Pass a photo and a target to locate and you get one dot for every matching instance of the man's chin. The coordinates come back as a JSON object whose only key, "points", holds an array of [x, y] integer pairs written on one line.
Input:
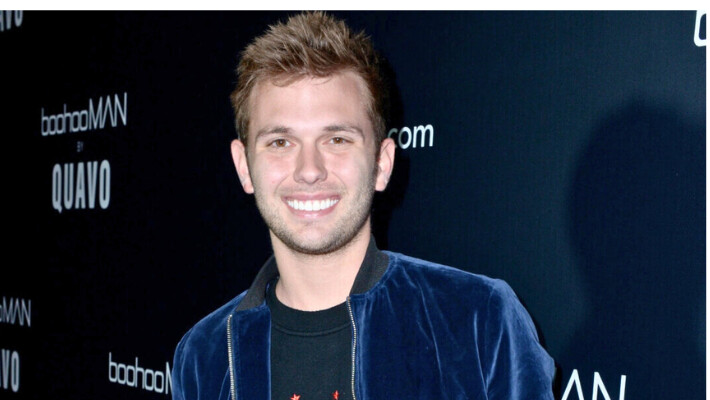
{"points": [[316, 246]]}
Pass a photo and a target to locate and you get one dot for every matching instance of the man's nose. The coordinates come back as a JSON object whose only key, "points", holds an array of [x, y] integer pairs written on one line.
{"points": [[310, 167]]}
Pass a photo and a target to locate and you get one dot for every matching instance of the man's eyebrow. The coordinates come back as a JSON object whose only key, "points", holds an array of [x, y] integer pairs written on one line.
{"points": [[344, 127], [270, 130]]}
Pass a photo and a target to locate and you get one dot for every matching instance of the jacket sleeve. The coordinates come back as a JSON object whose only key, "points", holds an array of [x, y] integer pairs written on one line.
{"points": [[178, 371], [515, 365]]}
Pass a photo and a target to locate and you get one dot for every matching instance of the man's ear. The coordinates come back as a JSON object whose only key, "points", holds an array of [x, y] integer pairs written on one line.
{"points": [[239, 156], [385, 163]]}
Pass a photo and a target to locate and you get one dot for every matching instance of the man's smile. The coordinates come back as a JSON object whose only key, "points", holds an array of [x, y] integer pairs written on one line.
{"points": [[313, 204]]}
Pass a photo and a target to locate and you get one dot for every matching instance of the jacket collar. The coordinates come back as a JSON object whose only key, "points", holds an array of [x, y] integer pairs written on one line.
{"points": [[373, 267]]}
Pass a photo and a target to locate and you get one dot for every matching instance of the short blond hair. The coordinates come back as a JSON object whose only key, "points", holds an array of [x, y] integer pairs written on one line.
{"points": [[310, 44]]}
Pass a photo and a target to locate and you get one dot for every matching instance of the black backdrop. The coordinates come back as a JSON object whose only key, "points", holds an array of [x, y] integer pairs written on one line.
{"points": [[563, 152]]}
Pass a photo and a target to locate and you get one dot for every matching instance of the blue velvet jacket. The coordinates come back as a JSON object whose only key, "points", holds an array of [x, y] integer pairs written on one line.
{"points": [[420, 331]]}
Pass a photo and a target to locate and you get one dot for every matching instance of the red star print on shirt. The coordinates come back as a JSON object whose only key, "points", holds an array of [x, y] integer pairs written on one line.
{"points": [[335, 395], [295, 397]]}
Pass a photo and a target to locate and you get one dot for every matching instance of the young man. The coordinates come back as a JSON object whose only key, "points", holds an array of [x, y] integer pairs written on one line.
{"points": [[330, 316]]}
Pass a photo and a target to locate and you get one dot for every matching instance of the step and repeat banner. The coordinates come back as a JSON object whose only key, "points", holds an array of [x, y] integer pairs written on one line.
{"points": [[563, 152]]}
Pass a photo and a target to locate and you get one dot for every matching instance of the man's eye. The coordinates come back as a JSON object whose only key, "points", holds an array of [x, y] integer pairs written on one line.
{"points": [[279, 143], [338, 140]]}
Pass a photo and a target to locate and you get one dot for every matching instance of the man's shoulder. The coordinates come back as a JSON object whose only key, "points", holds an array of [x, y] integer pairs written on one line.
{"points": [[209, 328], [432, 273], [460, 292], [203, 350]]}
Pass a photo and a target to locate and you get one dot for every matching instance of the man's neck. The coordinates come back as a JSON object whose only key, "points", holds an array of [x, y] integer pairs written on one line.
{"points": [[317, 282]]}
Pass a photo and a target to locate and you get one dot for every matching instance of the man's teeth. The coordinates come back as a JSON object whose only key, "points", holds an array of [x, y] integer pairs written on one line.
{"points": [[311, 205]]}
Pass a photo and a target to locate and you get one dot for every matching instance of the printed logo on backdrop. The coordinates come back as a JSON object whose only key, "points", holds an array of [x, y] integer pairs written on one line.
{"points": [[16, 311], [133, 375], [10, 19], [597, 387], [84, 184], [420, 136], [9, 370], [13, 311]]}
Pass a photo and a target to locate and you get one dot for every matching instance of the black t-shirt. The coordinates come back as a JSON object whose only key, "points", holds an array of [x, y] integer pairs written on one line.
{"points": [[310, 352]]}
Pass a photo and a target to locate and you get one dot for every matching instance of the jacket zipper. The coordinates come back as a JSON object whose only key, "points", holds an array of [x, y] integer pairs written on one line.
{"points": [[230, 352], [352, 356]]}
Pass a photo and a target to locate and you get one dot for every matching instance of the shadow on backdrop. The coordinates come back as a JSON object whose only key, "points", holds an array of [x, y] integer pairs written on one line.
{"points": [[385, 202], [637, 212]]}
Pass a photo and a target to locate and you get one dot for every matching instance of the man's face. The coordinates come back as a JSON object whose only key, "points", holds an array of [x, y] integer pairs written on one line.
{"points": [[311, 161]]}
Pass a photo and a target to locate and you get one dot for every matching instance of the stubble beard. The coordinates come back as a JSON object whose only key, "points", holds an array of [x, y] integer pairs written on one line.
{"points": [[341, 235]]}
